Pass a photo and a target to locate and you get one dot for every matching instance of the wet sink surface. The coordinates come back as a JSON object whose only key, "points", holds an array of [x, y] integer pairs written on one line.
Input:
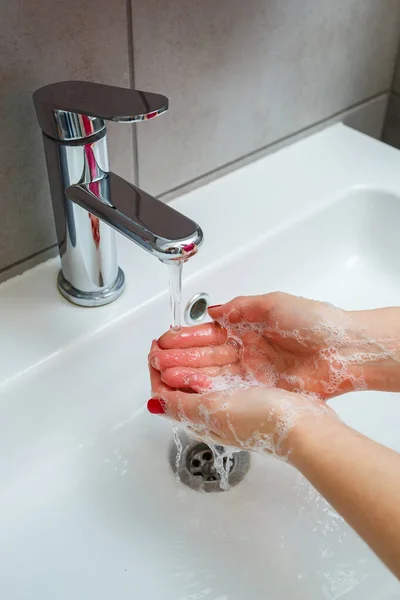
{"points": [[89, 507]]}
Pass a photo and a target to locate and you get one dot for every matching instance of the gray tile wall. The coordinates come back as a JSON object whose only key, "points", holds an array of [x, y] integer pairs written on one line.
{"points": [[241, 77], [391, 132], [396, 80]]}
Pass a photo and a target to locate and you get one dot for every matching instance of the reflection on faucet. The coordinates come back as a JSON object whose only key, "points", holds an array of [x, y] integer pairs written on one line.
{"points": [[154, 226], [95, 223], [94, 187]]}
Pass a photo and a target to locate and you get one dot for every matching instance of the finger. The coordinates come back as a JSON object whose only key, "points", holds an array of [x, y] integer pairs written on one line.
{"points": [[255, 344], [208, 334], [158, 387], [198, 380], [153, 348], [211, 356], [181, 406], [252, 309], [197, 433], [203, 434], [185, 377]]}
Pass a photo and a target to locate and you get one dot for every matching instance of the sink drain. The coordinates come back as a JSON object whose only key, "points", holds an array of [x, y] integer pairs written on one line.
{"points": [[196, 466]]}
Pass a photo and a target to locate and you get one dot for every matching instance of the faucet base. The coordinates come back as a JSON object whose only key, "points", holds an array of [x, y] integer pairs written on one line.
{"points": [[90, 299]]}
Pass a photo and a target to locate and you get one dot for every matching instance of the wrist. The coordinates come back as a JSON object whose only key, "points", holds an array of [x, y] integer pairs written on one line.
{"points": [[376, 349], [298, 420], [311, 434]]}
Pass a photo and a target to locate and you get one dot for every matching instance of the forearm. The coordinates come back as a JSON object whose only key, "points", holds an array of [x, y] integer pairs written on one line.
{"points": [[378, 336], [360, 479]]}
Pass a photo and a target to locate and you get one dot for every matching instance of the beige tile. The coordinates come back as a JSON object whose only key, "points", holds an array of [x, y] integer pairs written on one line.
{"points": [[42, 41], [241, 75]]}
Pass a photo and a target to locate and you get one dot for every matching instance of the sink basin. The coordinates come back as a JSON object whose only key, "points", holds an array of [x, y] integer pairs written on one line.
{"points": [[89, 506]]}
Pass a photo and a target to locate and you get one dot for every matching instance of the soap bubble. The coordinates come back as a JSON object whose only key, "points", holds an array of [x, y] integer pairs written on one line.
{"points": [[333, 346]]}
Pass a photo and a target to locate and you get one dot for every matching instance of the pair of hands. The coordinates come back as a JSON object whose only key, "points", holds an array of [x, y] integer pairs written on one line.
{"points": [[263, 364], [258, 378]]}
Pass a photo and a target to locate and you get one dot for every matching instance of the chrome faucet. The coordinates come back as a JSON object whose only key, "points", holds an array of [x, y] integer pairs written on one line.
{"points": [[88, 198]]}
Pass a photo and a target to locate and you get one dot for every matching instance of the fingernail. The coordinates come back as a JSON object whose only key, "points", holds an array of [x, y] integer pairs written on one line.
{"points": [[156, 406], [155, 363], [215, 306]]}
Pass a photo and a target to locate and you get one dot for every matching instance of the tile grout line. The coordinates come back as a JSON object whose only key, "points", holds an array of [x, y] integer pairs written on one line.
{"points": [[131, 63], [30, 257], [259, 151]]}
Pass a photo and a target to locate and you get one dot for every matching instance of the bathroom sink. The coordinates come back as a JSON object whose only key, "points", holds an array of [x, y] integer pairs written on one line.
{"points": [[89, 505]]}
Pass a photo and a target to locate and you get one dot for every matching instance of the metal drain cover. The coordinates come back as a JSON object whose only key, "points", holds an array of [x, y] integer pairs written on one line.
{"points": [[194, 464], [196, 309]]}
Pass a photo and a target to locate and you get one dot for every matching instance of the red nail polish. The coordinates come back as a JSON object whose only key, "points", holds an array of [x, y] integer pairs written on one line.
{"points": [[189, 247], [215, 306], [156, 407]]}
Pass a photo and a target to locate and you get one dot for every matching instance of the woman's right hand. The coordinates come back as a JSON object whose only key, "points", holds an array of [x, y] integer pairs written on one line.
{"points": [[283, 341]]}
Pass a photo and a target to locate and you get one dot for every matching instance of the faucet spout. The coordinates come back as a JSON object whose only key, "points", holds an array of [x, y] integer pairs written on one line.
{"points": [[153, 225]]}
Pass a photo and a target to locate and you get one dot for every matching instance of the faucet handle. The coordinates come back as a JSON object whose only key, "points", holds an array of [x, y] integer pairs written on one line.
{"points": [[74, 110]]}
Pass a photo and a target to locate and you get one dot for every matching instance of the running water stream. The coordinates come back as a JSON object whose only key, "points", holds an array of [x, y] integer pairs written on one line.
{"points": [[175, 293], [222, 457]]}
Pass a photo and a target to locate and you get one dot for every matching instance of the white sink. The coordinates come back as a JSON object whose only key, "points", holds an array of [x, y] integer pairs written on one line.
{"points": [[89, 507]]}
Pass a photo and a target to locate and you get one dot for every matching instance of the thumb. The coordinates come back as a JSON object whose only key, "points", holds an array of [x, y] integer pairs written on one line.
{"points": [[244, 308], [217, 311]]}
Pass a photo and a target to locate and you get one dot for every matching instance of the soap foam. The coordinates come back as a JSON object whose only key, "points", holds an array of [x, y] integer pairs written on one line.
{"points": [[334, 348], [282, 411], [339, 351]]}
